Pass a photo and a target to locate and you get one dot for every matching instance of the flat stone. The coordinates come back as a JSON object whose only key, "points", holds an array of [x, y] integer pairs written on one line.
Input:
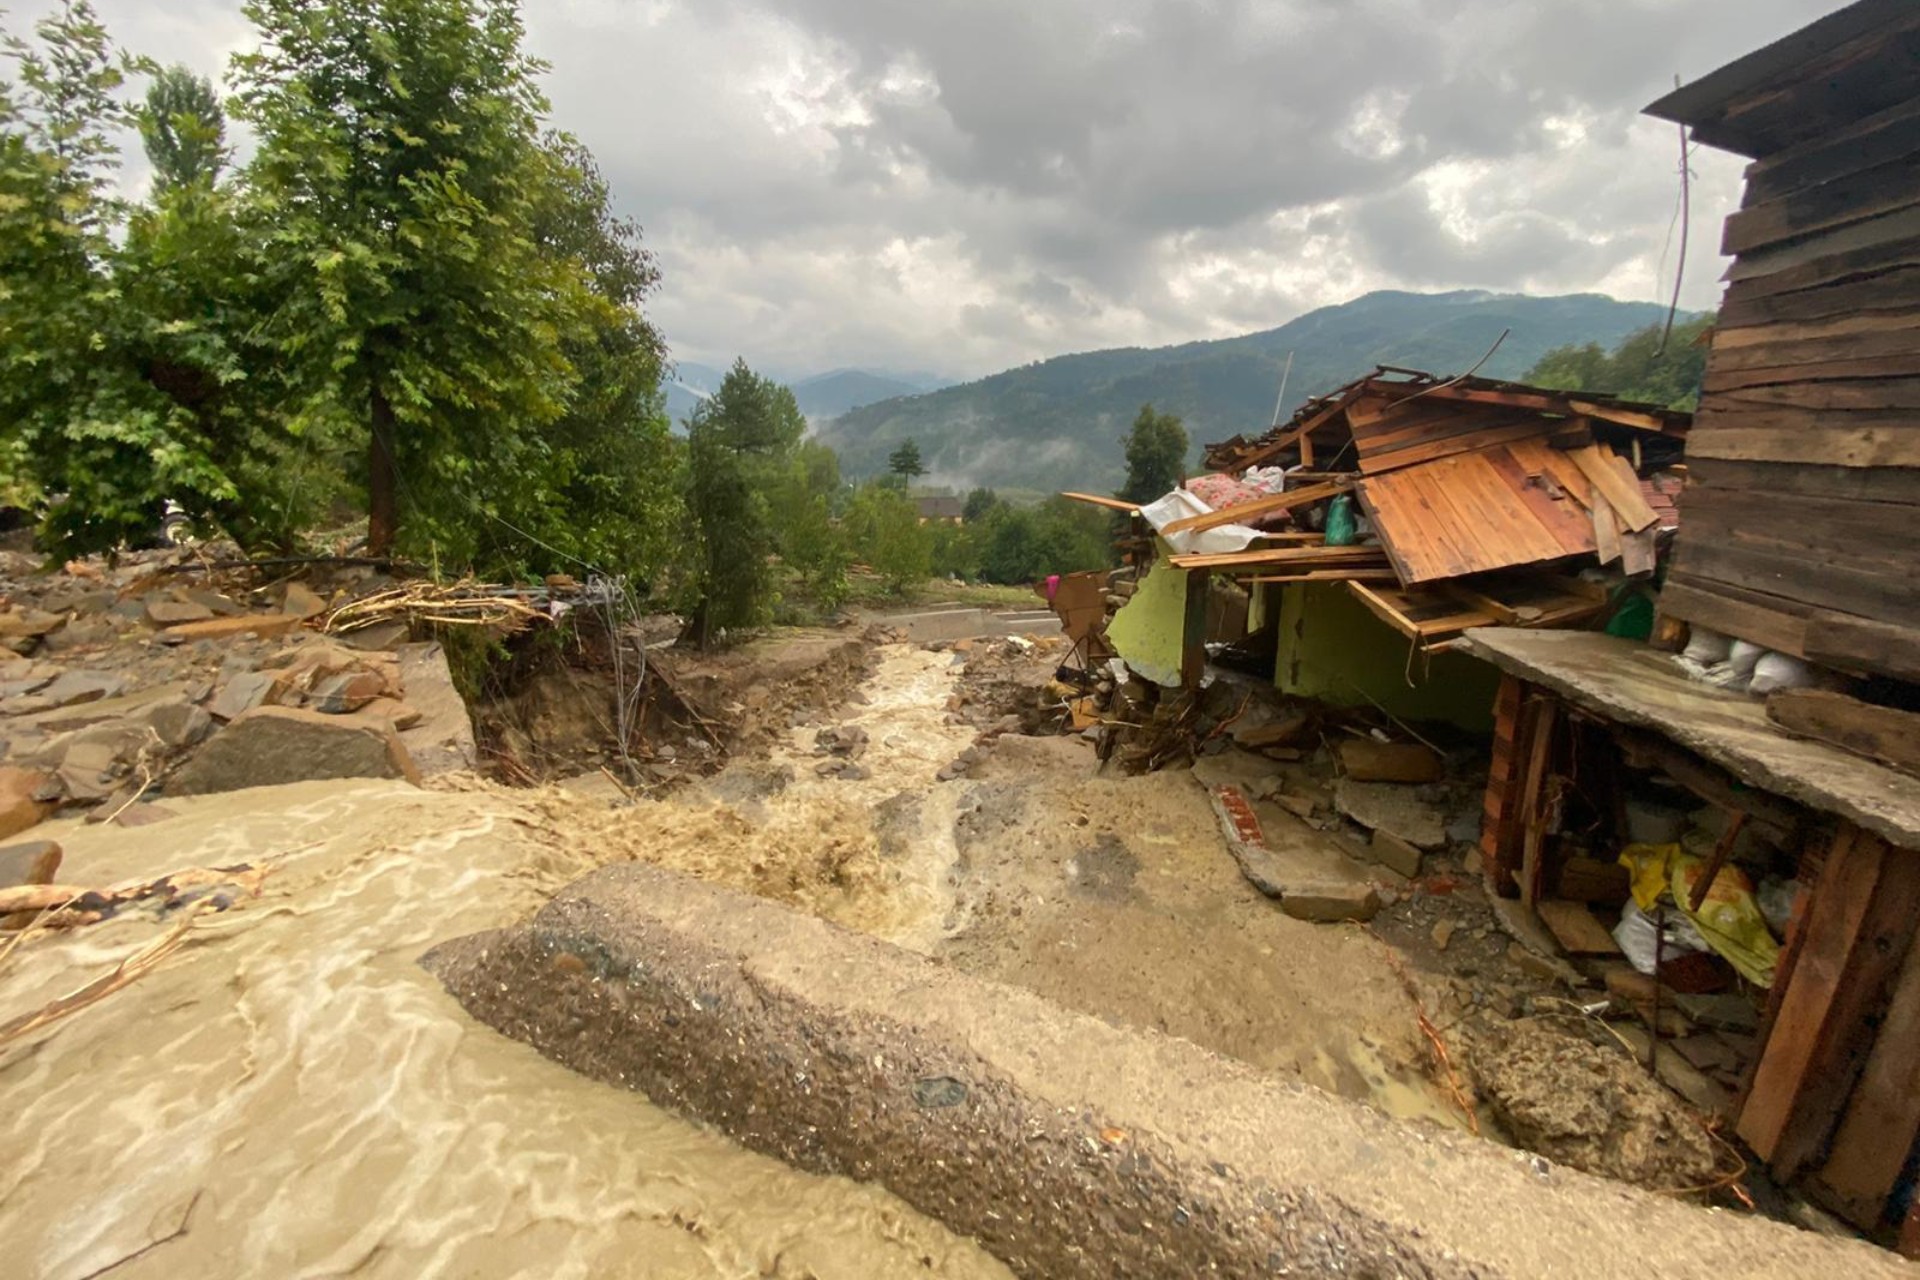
{"points": [[442, 741], [74, 688], [302, 601], [163, 612], [20, 806], [264, 625], [32, 863], [401, 715], [21, 687], [341, 694], [1328, 901], [1443, 934], [268, 746], [1390, 851], [91, 769], [179, 724], [29, 624], [243, 693], [1395, 808], [1726, 1012]]}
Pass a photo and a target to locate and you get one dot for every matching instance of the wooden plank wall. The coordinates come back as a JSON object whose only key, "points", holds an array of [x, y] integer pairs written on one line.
{"points": [[1801, 527]]}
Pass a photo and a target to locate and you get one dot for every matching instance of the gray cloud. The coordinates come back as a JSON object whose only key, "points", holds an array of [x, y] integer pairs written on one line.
{"points": [[968, 184]]}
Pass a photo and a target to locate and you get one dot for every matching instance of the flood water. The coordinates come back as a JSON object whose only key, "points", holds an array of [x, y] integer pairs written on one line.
{"points": [[290, 1095]]}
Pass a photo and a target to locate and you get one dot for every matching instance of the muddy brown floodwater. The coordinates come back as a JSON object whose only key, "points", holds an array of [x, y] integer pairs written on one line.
{"points": [[294, 1092], [291, 1095]]}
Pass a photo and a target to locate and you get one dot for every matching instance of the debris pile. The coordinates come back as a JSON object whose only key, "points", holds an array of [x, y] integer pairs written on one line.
{"points": [[168, 673]]}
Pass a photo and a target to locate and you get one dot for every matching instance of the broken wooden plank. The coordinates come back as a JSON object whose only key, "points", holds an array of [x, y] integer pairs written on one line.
{"points": [[1883, 1116], [1302, 557], [1606, 529], [1610, 476], [1885, 734], [1096, 500], [1575, 928], [1855, 940]]}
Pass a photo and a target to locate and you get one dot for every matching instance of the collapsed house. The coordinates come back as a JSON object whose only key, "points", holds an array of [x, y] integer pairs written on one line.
{"points": [[1692, 642]]}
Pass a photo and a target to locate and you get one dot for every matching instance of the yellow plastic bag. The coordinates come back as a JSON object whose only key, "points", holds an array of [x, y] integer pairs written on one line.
{"points": [[1729, 919]]}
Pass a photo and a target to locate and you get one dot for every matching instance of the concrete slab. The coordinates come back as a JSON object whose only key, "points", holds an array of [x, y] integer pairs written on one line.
{"points": [[1067, 1146], [1631, 684]]}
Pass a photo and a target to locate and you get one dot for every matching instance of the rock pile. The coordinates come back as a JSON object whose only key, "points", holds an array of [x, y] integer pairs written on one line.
{"points": [[119, 686]]}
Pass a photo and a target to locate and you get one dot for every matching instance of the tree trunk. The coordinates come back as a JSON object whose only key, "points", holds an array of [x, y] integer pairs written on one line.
{"points": [[383, 502]]}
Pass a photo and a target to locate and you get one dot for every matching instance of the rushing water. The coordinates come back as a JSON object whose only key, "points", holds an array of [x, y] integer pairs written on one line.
{"points": [[290, 1095]]}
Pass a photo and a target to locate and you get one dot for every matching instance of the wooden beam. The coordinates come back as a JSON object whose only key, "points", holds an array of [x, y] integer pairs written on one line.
{"points": [[1883, 1116], [1309, 556], [1533, 817], [1705, 607], [1111, 504], [1710, 782], [1257, 508], [1844, 640], [1498, 824], [1883, 734], [1268, 452], [1857, 936], [1611, 477]]}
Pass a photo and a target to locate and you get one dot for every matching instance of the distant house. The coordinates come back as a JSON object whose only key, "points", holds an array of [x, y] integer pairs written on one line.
{"points": [[947, 509]]}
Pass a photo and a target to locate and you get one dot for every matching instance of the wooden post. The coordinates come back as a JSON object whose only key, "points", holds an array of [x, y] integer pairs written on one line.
{"points": [[1193, 632], [1855, 940], [1883, 1116], [1498, 824]]}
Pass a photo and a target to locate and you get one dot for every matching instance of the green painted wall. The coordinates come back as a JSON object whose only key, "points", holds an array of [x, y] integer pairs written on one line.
{"points": [[1334, 649], [1147, 630]]}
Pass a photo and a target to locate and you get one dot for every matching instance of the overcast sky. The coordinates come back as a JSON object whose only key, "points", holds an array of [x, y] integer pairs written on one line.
{"points": [[962, 185]]}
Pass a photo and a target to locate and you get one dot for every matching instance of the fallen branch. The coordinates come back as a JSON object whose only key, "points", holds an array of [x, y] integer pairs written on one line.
{"points": [[461, 604], [124, 974], [50, 897]]}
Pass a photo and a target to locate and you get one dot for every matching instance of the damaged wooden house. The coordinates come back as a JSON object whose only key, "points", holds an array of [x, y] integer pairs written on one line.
{"points": [[1693, 644]]}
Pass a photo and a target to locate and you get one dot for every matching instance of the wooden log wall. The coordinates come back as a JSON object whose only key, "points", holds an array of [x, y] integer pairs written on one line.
{"points": [[1801, 529]]}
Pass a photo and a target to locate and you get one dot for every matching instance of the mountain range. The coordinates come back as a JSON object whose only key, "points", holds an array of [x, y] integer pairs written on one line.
{"points": [[821, 396], [1059, 423]]}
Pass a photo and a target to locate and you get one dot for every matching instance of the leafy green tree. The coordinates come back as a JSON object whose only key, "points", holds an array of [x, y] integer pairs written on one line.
{"points": [[1156, 455], [1638, 369], [883, 527], [398, 169], [905, 462], [739, 443], [607, 488], [83, 420], [979, 503], [810, 542], [184, 130]]}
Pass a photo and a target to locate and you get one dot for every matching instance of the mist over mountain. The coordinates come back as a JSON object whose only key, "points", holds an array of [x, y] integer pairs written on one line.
{"points": [[1058, 423]]}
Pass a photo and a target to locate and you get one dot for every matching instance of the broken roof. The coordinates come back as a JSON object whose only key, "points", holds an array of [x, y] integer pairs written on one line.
{"points": [[1851, 64]]}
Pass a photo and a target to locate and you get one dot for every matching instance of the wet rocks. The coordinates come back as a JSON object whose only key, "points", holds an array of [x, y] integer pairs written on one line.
{"points": [[31, 863], [271, 745], [22, 799], [245, 691]]}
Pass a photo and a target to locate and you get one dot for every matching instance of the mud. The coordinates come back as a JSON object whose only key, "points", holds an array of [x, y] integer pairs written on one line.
{"points": [[1587, 1105], [295, 1097], [1069, 1148]]}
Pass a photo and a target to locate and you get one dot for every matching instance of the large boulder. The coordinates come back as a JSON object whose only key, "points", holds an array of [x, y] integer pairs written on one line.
{"points": [[272, 745]]}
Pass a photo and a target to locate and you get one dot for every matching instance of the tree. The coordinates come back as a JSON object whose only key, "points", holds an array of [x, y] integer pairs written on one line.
{"points": [[905, 462], [1156, 455], [399, 170], [184, 130], [979, 503], [609, 490], [1640, 368], [883, 526], [739, 442], [83, 421]]}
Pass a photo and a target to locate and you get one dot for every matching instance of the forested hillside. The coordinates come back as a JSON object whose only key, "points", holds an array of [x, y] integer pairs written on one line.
{"points": [[1058, 423]]}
